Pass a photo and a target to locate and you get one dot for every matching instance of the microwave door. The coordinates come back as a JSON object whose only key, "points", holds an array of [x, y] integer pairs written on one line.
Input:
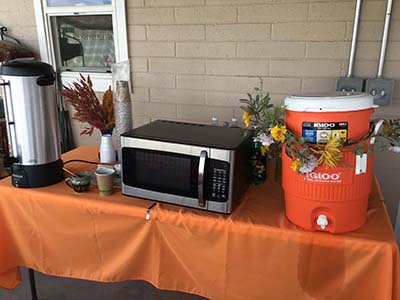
{"points": [[178, 175]]}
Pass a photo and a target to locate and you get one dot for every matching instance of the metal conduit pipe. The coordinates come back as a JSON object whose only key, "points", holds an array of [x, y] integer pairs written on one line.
{"points": [[354, 38], [384, 38]]}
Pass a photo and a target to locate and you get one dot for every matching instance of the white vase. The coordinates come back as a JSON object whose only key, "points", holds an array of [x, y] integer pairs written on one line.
{"points": [[107, 150]]}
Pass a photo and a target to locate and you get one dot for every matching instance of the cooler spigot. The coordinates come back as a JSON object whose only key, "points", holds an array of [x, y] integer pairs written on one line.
{"points": [[322, 221]]}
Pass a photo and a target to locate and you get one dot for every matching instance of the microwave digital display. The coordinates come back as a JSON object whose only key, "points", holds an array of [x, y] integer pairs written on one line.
{"points": [[161, 171]]}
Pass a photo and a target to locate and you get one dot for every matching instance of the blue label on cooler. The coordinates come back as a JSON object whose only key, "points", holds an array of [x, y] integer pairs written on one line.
{"points": [[309, 135]]}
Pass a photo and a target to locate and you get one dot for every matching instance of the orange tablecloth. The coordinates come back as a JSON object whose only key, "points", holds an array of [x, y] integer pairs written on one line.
{"points": [[254, 253]]}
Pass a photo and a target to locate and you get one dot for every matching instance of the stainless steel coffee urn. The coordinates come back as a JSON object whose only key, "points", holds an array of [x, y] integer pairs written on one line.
{"points": [[32, 123]]}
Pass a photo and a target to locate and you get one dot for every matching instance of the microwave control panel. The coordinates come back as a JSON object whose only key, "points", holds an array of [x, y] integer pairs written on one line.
{"points": [[219, 185]]}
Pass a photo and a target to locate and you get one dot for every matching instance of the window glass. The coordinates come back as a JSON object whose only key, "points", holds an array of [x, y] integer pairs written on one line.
{"points": [[76, 2], [83, 43]]}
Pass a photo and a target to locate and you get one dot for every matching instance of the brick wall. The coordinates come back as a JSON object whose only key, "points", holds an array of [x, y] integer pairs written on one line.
{"points": [[194, 59]]}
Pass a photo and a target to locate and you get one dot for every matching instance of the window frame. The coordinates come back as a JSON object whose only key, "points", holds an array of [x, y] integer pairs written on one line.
{"points": [[117, 10]]}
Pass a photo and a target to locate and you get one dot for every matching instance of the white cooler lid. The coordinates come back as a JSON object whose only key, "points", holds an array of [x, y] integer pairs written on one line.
{"points": [[340, 101]]}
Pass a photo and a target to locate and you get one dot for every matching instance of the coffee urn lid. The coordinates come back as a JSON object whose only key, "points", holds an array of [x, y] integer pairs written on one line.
{"points": [[26, 68]]}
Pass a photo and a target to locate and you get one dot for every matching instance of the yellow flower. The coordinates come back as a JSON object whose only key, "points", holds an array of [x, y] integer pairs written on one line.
{"points": [[278, 133], [296, 165], [264, 150], [247, 118], [260, 168], [329, 155]]}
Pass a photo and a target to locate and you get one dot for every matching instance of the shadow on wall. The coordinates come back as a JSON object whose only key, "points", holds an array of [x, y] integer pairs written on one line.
{"points": [[387, 169]]}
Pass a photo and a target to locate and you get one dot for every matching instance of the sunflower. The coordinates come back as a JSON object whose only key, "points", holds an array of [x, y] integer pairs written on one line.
{"points": [[278, 133], [247, 118]]}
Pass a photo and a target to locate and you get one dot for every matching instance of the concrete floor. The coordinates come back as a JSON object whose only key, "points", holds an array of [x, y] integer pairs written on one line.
{"points": [[58, 288]]}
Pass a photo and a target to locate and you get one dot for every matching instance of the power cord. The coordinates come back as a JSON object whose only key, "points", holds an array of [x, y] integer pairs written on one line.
{"points": [[80, 160]]}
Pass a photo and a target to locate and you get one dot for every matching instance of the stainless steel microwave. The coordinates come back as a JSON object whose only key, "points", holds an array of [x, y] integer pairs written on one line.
{"points": [[194, 165]]}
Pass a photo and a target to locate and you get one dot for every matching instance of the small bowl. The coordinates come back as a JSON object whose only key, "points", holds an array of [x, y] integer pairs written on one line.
{"points": [[79, 183]]}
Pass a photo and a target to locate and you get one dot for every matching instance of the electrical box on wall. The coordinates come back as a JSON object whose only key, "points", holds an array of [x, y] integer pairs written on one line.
{"points": [[350, 84], [381, 89]]}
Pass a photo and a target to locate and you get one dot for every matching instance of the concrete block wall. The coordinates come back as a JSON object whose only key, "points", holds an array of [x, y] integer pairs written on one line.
{"points": [[194, 59]]}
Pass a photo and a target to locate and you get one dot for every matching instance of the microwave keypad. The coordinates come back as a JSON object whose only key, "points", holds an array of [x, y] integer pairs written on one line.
{"points": [[219, 186]]}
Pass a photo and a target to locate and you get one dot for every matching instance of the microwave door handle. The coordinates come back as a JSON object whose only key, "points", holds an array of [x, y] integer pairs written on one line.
{"points": [[200, 178]]}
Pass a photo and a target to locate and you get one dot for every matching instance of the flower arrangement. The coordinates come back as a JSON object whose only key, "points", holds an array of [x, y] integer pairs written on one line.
{"points": [[87, 106], [271, 134]]}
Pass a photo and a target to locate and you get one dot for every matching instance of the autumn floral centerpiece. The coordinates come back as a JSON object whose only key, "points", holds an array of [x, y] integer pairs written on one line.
{"points": [[88, 108], [271, 134]]}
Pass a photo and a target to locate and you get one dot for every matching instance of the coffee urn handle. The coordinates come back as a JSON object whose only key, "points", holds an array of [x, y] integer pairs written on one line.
{"points": [[200, 178], [9, 114]]}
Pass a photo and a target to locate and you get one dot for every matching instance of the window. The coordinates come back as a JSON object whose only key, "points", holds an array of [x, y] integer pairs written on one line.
{"points": [[82, 36]]}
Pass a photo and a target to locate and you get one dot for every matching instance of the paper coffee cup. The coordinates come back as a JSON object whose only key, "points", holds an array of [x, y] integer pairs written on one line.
{"points": [[105, 180]]}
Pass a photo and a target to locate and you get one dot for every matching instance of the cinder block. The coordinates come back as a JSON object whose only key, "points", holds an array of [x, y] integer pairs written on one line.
{"points": [[393, 51], [150, 16], [140, 95], [371, 50], [271, 49], [154, 110], [306, 68], [331, 50], [362, 68], [273, 13], [201, 49], [239, 32], [151, 49], [391, 70], [237, 67], [134, 3], [225, 99], [178, 96], [204, 113], [221, 2], [140, 121], [205, 15], [372, 31], [176, 33], [177, 65], [313, 31], [332, 11], [139, 64], [160, 3], [318, 85], [136, 33], [238, 84], [391, 111], [375, 10], [161, 80]]}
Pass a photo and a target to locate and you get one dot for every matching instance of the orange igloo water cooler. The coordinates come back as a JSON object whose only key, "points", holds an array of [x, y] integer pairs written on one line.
{"points": [[329, 199]]}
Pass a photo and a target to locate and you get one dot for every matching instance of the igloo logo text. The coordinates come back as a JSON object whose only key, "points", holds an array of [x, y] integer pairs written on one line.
{"points": [[324, 125], [334, 177]]}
